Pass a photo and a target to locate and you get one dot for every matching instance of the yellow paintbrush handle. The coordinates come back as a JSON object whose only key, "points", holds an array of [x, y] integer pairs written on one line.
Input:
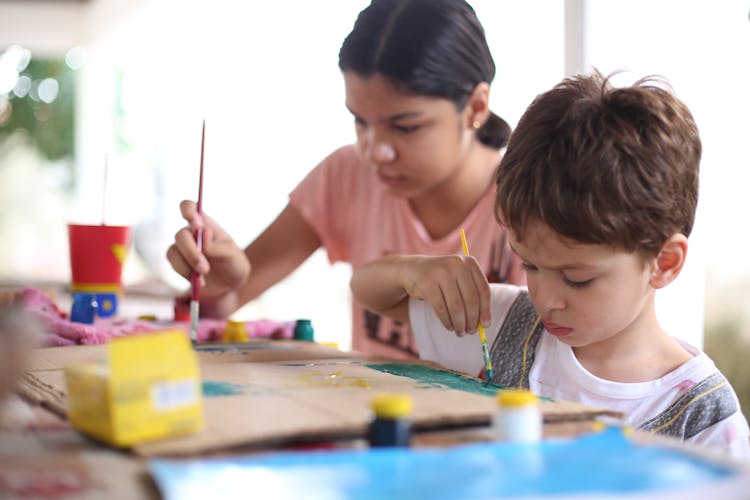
{"points": [[480, 328], [482, 334]]}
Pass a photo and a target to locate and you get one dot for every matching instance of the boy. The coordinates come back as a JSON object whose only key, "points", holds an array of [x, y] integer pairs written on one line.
{"points": [[598, 189]]}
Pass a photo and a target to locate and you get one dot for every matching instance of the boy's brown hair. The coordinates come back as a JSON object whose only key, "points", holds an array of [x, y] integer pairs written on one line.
{"points": [[603, 165]]}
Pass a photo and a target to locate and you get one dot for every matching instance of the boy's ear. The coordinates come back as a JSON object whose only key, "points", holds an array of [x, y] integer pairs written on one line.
{"points": [[668, 263], [477, 109]]}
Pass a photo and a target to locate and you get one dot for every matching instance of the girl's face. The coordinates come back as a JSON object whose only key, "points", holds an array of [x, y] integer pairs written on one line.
{"points": [[585, 293], [412, 143]]}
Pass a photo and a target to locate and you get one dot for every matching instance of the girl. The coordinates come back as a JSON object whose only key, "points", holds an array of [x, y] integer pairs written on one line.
{"points": [[417, 75]]}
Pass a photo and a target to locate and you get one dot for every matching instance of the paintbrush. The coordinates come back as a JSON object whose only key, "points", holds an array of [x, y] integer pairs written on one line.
{"points": [[195, 279], [480, 328]]}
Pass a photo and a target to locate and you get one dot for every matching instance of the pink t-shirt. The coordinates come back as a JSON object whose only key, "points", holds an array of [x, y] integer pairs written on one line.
{"points": [[358, 220]]}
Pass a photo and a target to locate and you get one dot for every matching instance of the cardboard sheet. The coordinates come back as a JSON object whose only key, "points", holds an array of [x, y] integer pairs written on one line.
{"points": [[287, 392]]}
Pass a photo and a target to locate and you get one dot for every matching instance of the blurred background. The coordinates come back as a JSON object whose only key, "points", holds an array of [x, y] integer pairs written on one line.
{"points": [[127, 83]]}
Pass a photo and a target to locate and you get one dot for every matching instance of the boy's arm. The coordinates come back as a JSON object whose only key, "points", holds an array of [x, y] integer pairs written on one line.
{"points": [[454, 285], [377, 286]]}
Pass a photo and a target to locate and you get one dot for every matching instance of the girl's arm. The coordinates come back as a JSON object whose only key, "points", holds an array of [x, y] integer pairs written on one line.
{"points": [[454, 285]]}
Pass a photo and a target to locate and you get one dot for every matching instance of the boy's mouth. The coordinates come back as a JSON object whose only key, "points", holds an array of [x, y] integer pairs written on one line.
{"points": [[556, 330]]}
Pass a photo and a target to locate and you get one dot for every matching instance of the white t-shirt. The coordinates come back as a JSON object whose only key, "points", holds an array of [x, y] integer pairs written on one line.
{"points": [[556, 373]]}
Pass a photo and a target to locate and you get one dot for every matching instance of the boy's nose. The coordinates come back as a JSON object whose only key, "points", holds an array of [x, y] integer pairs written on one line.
{"points": [[546, 299]]}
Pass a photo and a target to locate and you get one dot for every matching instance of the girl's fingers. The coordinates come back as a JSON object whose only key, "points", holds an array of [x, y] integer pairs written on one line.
{"points": [[177, 262], [184, 242], [188, 209], [189, 212]]}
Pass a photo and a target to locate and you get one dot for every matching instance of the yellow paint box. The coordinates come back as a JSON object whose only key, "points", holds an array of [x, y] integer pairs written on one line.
{"points": [[149, 388]]}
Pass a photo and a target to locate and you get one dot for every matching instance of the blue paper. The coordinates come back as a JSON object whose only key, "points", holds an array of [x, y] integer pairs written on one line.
{"points": [[605, 463]]}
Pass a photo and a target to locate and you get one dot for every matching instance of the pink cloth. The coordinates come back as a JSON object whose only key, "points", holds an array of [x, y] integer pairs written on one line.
{"points": [[358, 220], [61, 331]]}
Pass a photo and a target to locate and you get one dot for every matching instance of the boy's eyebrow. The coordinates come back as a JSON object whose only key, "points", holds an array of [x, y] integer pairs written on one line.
{"points": [[569, 267]]}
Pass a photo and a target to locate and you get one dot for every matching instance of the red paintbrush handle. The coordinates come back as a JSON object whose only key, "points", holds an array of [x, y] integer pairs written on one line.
{"points": [[195, 278]]}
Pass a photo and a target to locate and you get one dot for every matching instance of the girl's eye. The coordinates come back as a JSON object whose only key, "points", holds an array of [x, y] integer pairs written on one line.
{"points": [[406, 128], [577, 284], [528, 267]]}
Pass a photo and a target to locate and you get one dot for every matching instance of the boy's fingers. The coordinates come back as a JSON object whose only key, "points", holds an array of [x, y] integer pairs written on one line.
{"points": [[479, 296], [485, 299], [434, 297], [469, 301], [456, 308]]}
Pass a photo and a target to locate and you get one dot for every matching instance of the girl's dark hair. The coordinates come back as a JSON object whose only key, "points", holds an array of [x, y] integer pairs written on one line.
{"points": [[433, 48]]}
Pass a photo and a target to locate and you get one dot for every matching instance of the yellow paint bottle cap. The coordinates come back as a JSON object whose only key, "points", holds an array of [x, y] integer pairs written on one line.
{"points": [[515, 398], [392, 405], [235, 331]]}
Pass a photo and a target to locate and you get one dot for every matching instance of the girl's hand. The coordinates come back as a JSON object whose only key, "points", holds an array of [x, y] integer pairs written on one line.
{"points": [[223, 265], [454, 285]]}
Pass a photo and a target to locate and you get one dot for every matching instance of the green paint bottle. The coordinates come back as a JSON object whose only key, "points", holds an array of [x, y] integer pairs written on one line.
{"points": [[303, 330]]}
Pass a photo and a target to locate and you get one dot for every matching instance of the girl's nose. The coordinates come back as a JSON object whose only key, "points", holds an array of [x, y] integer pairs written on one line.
{"points": [[383, 153], [375, 150]]}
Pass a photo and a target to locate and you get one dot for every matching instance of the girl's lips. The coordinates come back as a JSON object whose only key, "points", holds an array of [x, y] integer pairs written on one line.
{"points": [[390, 180], [556, 330]]}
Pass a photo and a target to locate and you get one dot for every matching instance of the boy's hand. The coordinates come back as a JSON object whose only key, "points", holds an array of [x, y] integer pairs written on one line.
{"points": [[454, 285], [223, 265]]}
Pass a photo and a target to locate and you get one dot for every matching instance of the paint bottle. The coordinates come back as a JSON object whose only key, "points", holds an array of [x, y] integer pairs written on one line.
{"points": [[303, 330], [84, 308], [182, 308], [107, 304], [234, 331], [391, 425], [518, 417]]}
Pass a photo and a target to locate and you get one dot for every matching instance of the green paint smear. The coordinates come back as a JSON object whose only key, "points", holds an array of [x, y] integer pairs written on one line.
{"points": [[429, 377], [213, 389]]}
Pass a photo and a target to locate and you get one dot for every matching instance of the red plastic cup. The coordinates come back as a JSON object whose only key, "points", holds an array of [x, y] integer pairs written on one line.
{"points": [[97, 254]]}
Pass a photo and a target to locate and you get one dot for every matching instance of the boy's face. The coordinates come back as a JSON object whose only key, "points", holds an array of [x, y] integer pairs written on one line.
{"points": [[584, 293]]}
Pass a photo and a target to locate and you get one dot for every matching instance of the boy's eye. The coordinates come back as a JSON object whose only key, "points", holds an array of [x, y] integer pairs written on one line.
{"points": [[577, 284], [528, 267]]}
